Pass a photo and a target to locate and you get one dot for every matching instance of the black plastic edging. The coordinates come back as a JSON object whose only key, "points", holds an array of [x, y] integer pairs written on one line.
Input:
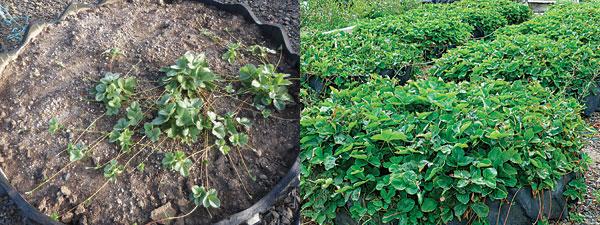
{"points": [[27, 211], [267, 201], [275, 32]]}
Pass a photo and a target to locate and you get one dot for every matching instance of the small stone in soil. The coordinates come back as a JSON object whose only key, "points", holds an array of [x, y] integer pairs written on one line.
{"points": [[163, 212]]}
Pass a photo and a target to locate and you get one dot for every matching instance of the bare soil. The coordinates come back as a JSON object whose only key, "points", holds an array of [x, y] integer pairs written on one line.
{"points": [[24, 12], [52, 79]]}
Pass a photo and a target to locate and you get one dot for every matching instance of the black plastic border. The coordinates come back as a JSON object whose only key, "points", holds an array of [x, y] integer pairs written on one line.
{"points": [[275, 32]]}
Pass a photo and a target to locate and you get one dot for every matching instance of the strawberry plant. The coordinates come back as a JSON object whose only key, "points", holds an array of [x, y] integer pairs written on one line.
{"points": [[177, 161], [267, 86], [232, 52], [563, 21], [184, 113], [54, 126], [112, 170], [431, 152], [400, 44], [190, 73], [179, 118], [205, 197], [113, 90], [76, 151], [235, 50], [566, 65]]}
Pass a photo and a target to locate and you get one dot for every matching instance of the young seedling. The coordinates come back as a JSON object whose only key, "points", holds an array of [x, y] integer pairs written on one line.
{"points": [[112, 170], [226, 128], [260, 51], [178, 162], [213, 37], [54, 126], [113, 90], [190, 73], [141, 167], [232, 52], [76, 151], [267, 86], [208, 198]]}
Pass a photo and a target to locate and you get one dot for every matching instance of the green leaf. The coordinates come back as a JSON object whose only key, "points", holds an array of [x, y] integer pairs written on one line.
{"points": [[54, 126], [480, 209], [389, 135], [429, 205], [497, 134]]}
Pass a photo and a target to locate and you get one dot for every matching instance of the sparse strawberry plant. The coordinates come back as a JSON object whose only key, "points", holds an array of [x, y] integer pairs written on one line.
{"points": [[76, 151], [267, 86], [232, 52], [113, 90], [178, 118], [205, 197], [184, 112], [54, 126], [190, 73], [235, 50], [112, 170], [177, 161]]}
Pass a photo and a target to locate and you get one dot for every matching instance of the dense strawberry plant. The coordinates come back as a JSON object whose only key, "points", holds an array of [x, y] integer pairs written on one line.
{"points": [[431, 152], [513, 12], [566, 65], [340, 57], [565, 20], [399, 45]]}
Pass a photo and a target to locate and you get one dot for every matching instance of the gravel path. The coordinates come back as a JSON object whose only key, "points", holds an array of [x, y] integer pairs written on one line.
{"points": [[590, 207]]}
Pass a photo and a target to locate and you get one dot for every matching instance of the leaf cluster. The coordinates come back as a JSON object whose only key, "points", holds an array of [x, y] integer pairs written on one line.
{"points": [[205, 197], [431, 151], [395, 43], [267, 86], [113, 90], [190, 73], [566, 65], [178, 162]]}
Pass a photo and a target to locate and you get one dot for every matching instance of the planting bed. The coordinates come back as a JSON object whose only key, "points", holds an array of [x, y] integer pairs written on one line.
{"points": [[488, 129], [68, 62]]}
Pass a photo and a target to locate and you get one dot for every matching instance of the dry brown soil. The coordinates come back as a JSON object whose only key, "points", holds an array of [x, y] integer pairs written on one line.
{"points": [[52, 78]]}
